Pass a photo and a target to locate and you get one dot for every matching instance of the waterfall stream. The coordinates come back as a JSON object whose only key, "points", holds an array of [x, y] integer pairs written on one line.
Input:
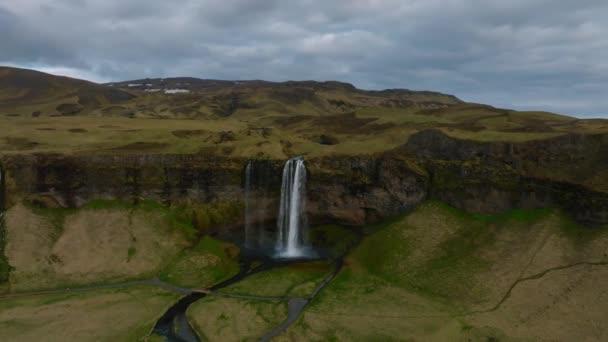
{"points": [[291, 228], [291, 222]]}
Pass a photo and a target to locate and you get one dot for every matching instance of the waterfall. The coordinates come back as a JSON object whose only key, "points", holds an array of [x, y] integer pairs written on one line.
{"points": [[291, 221], [262, 179], [248, 209]]}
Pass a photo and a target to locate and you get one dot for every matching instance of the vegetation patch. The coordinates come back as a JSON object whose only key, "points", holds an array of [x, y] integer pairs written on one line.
{"points": [[332, 240], [104, 241], [297, 280], [207, 263], [207, 216], [5, 267], [441, 274], [231, 319]]}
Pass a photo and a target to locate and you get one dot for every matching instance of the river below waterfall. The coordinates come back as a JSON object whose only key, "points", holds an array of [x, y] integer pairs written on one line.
{"points": [[174, 325]]}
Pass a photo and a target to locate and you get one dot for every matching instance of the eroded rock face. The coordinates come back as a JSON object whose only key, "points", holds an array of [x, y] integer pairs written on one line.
{"points": [[360, 190], [344, 190], [483, 177], [75, 180], [567, 172]]}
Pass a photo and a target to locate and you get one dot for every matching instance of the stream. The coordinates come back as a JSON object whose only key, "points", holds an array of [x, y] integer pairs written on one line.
{"points": [[174, 326]]}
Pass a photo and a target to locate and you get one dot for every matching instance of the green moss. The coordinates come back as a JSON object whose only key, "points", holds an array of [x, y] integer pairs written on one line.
{"points": [[131, 252], [108, 204], [516, 215], [334, 240], [378, 249], [206, 216]]}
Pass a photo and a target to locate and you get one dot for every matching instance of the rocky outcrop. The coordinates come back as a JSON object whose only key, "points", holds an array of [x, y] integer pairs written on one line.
{"points": [[359, 190]]}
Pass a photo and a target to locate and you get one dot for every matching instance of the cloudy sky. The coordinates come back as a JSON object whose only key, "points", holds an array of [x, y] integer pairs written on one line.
{"points": [[525, 54]]}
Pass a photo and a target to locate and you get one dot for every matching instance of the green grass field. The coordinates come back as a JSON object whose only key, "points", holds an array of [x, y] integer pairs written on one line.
{"points": [[441, 274], [207, 263], [103, 315], [231, 319], [298, 280]]}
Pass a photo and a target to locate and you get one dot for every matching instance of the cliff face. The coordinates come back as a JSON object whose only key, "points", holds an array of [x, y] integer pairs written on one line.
{"points": [[360, 190], [348, 190], [568, 172], [476, 176]]}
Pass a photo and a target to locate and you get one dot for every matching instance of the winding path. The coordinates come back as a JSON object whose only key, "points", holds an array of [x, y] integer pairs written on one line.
{"points": [[534, 277], [295, 306], [497, 306]]}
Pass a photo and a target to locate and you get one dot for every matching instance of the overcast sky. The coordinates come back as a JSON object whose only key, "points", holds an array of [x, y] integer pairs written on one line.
{"points": [[524, 54]]}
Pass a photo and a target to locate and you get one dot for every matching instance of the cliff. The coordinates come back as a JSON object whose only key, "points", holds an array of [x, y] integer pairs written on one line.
{"points": [[566, 172], [348, 190]]}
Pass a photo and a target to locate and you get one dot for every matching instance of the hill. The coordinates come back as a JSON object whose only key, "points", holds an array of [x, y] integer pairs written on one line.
{"points": [[32, 93], [245, 118]]}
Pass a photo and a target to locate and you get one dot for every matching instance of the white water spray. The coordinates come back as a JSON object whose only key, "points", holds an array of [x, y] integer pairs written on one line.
{"points": [[292, 219]]}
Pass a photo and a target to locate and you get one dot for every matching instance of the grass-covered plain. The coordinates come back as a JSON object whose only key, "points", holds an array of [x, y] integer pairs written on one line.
{"points": [[440, 274], [231, 319], [297, 280], [127, 314]]}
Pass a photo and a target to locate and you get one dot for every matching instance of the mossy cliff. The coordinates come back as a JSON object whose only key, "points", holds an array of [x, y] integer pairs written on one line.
{"points": [[567, 172]]}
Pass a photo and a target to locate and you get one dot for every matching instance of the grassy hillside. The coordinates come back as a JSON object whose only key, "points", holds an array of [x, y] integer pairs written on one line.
{"points": [[440, 274], [109, 242], [33, 94], [45, 113]]}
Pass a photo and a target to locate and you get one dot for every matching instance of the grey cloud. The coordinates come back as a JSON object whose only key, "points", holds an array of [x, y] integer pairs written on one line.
{"points": [[535, 54]]}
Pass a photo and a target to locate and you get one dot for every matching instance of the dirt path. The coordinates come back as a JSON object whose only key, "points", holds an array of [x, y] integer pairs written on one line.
{"points": [[147, 282]]}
